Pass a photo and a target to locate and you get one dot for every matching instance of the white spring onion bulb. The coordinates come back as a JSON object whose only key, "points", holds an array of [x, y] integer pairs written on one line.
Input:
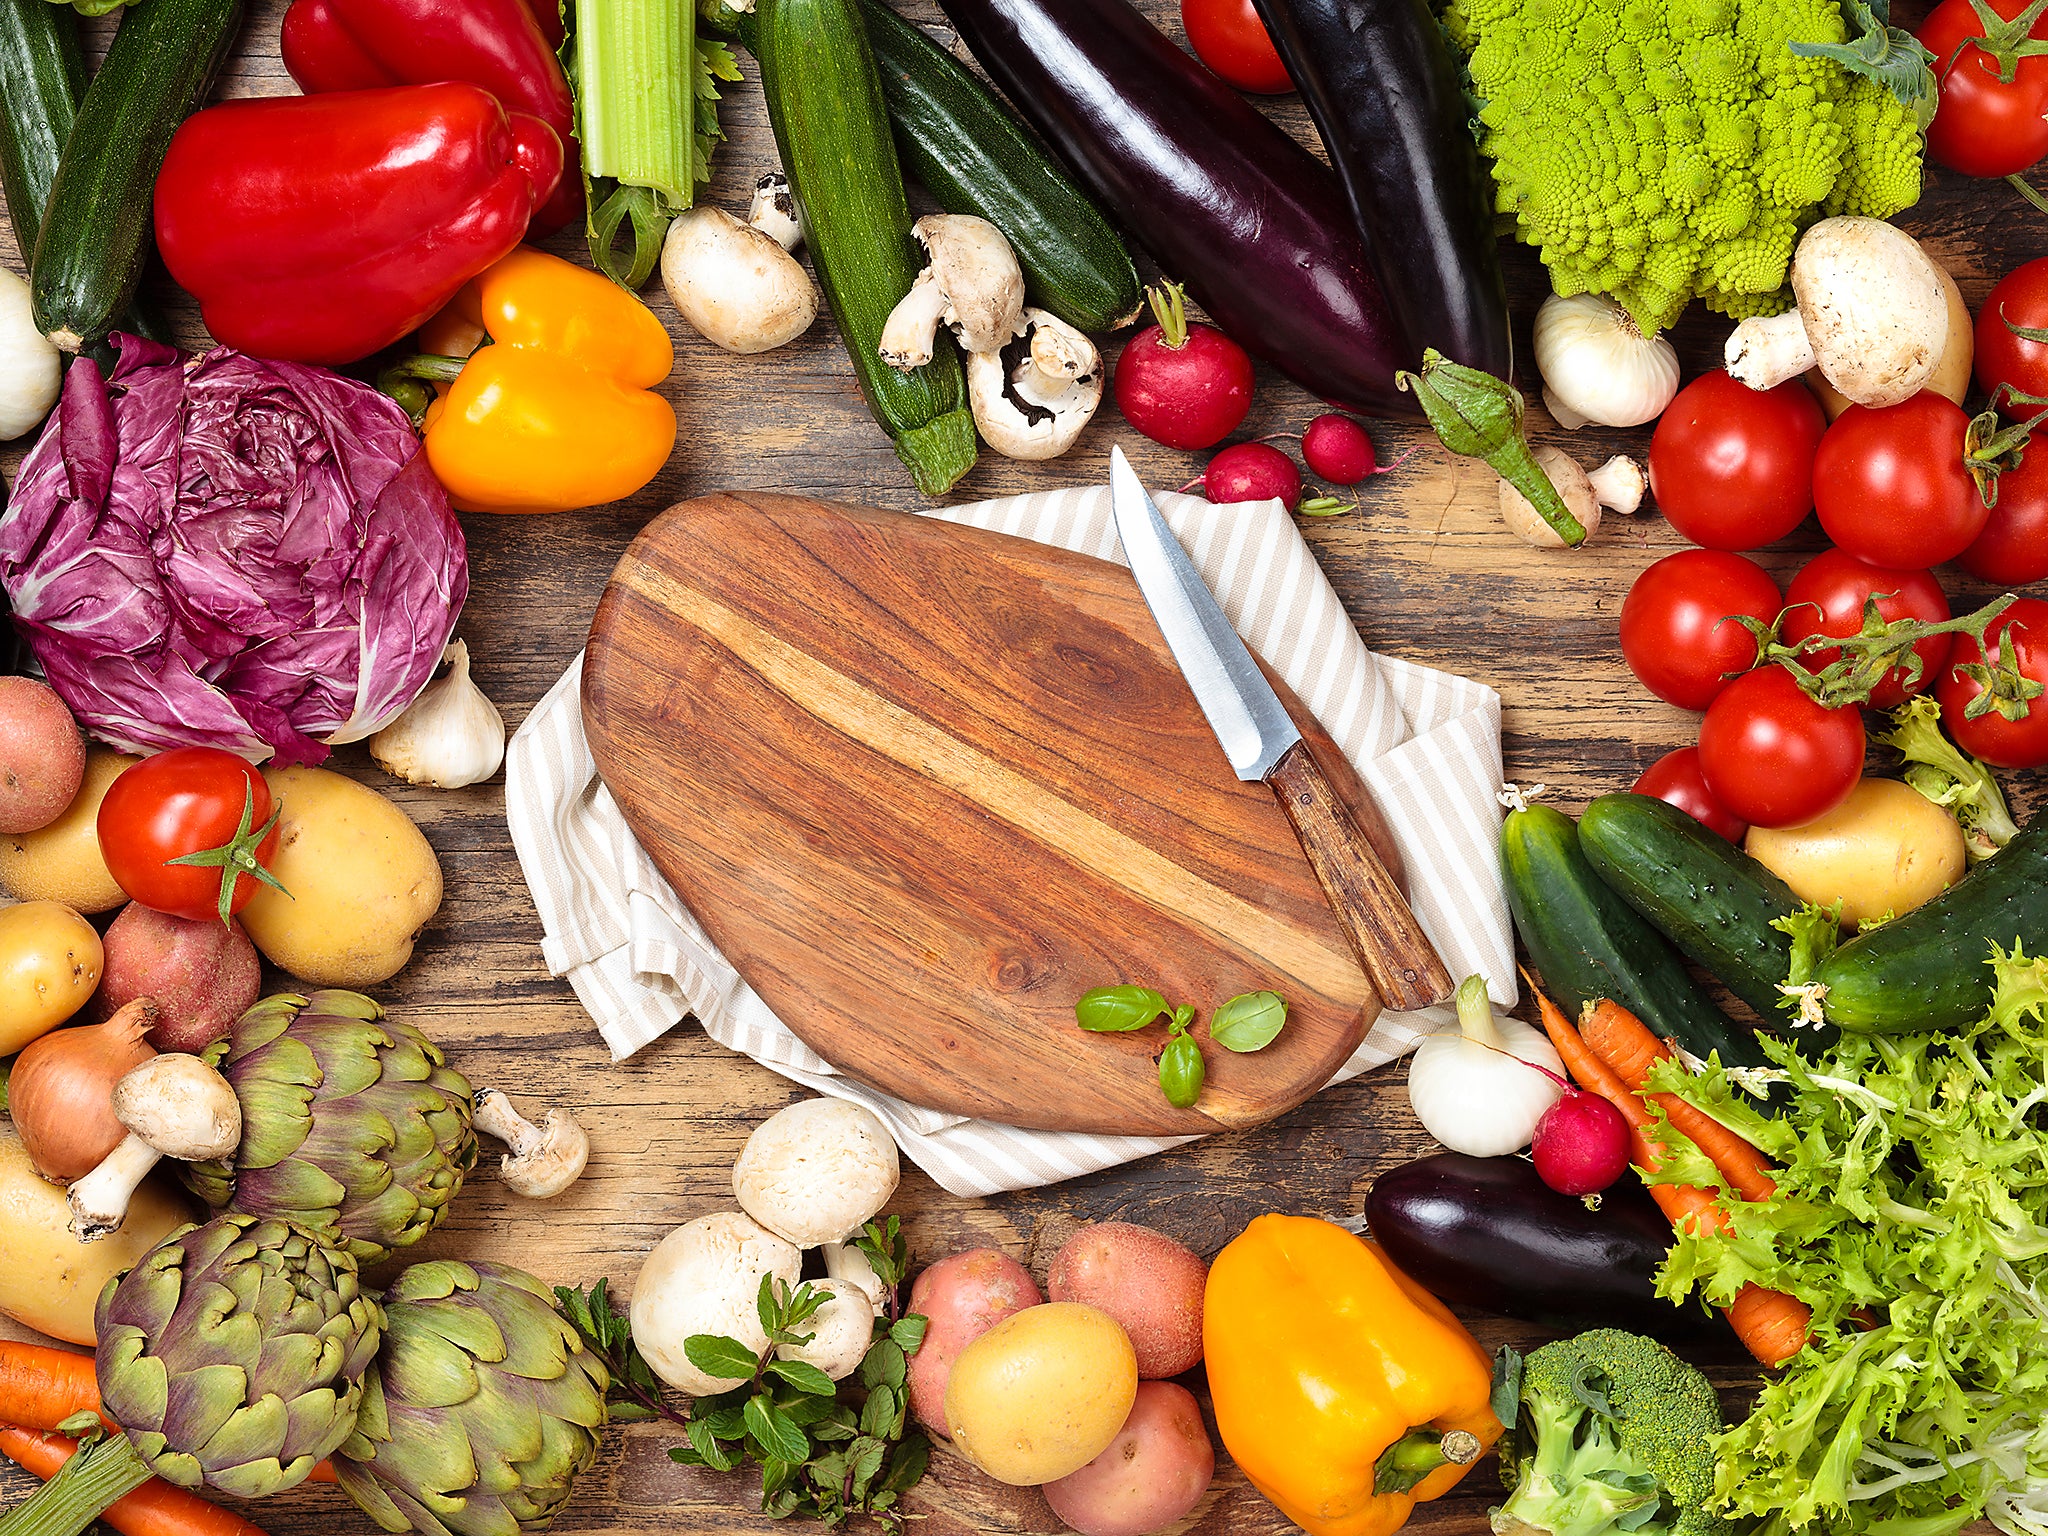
{"points": [[1473, 1088], [1597, 367]]}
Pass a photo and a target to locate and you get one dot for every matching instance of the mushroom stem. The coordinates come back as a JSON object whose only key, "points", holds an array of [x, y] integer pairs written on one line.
{"points": [[543, 1159], [843, 1261], [99, 1201], [773, 210], [913, 325], [173, 1105], [1767, 350]]}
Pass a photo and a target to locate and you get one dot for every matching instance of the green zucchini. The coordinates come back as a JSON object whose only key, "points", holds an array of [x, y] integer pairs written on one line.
{"points": [[1930, 970], [1588, 943], [1708, 897], [42, 76], [825, 104], [96, 225]]}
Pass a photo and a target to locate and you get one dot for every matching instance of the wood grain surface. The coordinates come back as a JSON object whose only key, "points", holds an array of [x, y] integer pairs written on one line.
{"points": [[924, 785], [1425, 567]]}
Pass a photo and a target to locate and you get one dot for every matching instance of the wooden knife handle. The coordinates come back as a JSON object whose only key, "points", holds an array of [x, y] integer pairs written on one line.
{"points": [[1401, 963]]}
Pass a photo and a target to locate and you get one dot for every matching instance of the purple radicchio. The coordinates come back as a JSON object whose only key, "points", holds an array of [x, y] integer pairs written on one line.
{"points": [[230, 552]]}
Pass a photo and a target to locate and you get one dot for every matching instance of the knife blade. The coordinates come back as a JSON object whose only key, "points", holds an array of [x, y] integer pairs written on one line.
{"points": [[1263, 744]]}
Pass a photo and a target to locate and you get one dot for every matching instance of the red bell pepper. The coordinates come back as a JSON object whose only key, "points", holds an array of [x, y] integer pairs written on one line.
{"points": [[501, 45], [318, 229]]}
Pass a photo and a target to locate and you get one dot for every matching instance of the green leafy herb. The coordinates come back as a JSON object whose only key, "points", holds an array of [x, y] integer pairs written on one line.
{"points": [[1951, 778], [1115, 1010], [636, 1391], [1181, 1069], [1248, 1022]]}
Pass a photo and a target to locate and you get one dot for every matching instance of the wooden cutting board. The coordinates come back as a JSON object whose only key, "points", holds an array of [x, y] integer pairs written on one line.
{"points": [[924, 785]]}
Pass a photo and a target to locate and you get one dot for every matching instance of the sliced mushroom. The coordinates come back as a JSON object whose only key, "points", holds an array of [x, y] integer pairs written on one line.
{"points": [[542, 1160], [971, 281], [735, 283], [1032, 398], [1872, 314], [173, 1105], [773, 210], [815, 1172]]}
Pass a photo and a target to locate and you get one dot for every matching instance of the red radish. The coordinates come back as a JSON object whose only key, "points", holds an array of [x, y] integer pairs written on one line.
{"points": [[1252, 472], [1338, 449], [1581, 1143], [1187, 386]]}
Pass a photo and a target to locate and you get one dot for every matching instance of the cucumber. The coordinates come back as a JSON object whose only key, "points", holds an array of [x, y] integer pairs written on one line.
{"points": [[1930, 970], [42, 76], [825, 104], [1588, 943], [96, 226], [1708, 897]]}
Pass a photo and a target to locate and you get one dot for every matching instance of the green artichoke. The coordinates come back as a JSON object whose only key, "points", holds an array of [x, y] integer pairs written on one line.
{"points": [[481, 1409], [234, 1353], [352, 1125]]}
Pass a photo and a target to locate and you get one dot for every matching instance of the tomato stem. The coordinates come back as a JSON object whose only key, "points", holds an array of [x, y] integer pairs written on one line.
{"points": [[238, 855], [1878, 649]]}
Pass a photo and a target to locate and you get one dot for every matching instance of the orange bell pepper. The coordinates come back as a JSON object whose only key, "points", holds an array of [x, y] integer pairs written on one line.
{"points": [[556, 410], [1345, 1391]]}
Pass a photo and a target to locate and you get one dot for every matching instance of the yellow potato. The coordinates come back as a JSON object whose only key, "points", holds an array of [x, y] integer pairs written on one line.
{"points": [[49, 1280], [1884, 850], [1951, 377], [363, 882], [50, 961], [62, 861], [1043, 1393]]}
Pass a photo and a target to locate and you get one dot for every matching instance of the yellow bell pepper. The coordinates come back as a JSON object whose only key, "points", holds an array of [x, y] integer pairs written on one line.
{"points": [[556, 410], [1345, 1391]]}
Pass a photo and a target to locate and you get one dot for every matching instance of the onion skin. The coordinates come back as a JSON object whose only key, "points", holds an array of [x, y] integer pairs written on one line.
{"points": [[60, 1093]]}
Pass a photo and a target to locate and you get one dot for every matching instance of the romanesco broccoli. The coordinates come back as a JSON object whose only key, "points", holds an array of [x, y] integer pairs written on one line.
{"points": [[1656, 149]]}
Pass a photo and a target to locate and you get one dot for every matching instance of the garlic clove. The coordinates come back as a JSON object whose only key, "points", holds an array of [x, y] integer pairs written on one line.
{"points": [[451, 736], [1597, 367]]}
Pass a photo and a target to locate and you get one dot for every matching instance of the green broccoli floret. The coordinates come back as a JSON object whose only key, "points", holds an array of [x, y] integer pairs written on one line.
{"points": [[1652, 150], [1614, 1434]]}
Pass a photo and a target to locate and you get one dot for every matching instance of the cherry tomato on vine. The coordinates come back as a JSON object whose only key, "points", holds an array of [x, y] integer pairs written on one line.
{"points": [[1890, 486], [2002, 356], [1732, 467], [1675, 778], [1827, 596], [1228, 36], [1677, 635], [2013, 548], [2020, 637], [1775, 758], [1985, 126], [189, 832]]}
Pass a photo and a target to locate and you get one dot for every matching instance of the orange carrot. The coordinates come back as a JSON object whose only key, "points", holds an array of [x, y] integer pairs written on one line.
{"points": [[1595, 1076], [1625, 1043], [41, 1387], [154, 1509]]}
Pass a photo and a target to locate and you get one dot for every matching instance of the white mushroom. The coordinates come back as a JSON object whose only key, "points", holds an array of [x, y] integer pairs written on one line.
{"points": [[542, 1160], [773, 210], [843, 1261], [173, 1105], [815, 1172], [1032, 398], [1872, 314], [971, 281], [1617, 485], [705, 1277], [736, 284], [841, 1330]]}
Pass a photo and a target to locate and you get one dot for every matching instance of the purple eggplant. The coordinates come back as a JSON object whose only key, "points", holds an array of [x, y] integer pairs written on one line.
{"points": [[1253, 225], [1382, 86], [1487, 1233]]}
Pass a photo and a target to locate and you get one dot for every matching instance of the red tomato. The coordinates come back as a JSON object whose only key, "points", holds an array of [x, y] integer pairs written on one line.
{"points": [[1676, 778], [1826, 598], [185, 801], [2019, 636], [1228, 36], [1676, 633], [1984, 127], [1890, 486], [1732, 467], [2021, 298], [1775, 758], [2013, 548]]}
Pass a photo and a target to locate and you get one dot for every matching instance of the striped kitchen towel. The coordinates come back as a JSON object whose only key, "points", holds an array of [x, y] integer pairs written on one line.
{"points": [[1426, 743]]}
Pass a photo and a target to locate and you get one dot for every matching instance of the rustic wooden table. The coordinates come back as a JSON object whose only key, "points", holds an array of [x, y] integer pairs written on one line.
{"points": [[1425, 568]]}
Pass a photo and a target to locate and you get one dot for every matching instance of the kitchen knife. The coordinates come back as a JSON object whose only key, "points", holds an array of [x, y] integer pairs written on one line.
{"points": [[1264, 745]]}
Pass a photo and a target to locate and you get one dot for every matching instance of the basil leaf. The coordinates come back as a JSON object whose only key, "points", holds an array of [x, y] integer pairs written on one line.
{"points": [[716, 1355], [1114, 1010], [1248, 1022], [804, 1376], [1181, 1071], [1183, 1016]]}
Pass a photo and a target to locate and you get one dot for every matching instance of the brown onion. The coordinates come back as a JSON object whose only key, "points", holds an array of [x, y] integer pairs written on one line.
{"points": [[60, 1094]]}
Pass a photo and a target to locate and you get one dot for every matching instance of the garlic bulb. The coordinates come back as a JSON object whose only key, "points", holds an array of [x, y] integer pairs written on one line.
{"points": [[451, 735], [1477, 1090], [1597, 367], [29, 369]]}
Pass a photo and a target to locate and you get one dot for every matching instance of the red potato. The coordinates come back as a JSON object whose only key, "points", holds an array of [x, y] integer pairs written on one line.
{"points": [[1154, 1472], [202, 975], [963, 1295], [42, 756], [1146, 1281]]}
